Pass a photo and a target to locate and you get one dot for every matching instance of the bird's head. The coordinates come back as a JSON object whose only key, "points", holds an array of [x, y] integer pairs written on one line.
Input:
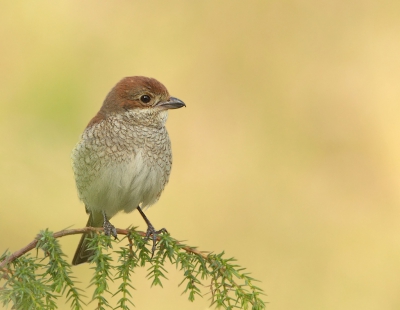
{"points": [[139, 94]]}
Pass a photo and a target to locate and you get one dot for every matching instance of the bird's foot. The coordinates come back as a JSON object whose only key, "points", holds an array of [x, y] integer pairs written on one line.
{"points": [[151, 233], [109, 229]]}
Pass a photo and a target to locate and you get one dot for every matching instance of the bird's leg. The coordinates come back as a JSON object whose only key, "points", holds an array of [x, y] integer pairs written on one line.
{"points": [[109, 229], [151, 231]]}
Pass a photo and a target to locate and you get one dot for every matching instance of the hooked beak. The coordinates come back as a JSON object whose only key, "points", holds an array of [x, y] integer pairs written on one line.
{"points": [[171, 103]]}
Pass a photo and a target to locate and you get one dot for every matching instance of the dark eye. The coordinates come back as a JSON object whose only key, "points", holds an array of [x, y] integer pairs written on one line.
{"points": [[145, 99]]}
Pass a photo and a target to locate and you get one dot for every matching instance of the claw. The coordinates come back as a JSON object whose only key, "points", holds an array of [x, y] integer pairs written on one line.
{"points": [[109, 229], [151, 233]]}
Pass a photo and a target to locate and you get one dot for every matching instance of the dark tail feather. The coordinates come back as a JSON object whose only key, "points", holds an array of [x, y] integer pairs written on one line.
{"points": [[82, 253]]}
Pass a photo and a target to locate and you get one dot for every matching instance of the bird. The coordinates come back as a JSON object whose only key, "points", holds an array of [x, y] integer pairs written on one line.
{"points": [[123, 159]]}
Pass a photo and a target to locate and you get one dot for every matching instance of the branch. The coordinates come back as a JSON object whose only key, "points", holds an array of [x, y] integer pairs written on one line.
{"points": [[77, 231], [230, 286]]}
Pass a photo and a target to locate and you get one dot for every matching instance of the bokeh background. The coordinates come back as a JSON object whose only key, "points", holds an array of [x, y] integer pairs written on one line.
{"points": [[287, 156]]}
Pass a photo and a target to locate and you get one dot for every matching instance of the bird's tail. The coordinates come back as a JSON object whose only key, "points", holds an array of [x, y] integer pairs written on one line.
{"points": [[83, 253]]}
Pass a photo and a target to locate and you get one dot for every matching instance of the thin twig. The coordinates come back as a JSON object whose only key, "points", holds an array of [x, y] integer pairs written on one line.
{"points": [[77, 231]]}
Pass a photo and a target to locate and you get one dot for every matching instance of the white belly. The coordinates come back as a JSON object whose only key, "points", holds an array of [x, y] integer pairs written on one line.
{"points": [[123, 186]]}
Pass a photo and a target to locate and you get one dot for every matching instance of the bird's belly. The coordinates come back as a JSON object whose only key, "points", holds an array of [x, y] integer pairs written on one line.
{"points": [[122, 186]]}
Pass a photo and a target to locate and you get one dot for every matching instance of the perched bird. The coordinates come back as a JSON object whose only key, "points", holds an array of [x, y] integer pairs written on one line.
{"points": [[123, 159]]}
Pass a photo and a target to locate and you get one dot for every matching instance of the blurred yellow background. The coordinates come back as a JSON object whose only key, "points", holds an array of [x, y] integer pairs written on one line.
{"points": [[287, 156]]}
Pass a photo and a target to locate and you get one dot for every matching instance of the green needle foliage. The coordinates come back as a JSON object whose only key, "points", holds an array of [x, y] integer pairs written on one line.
{"points": [[36, 282]]}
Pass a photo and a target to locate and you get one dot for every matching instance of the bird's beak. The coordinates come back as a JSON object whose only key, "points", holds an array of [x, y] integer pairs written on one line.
{"points": [[171, 103]]}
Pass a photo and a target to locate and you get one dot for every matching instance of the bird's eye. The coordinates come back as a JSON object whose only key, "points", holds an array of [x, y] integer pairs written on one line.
{"points": [[145, 99]]}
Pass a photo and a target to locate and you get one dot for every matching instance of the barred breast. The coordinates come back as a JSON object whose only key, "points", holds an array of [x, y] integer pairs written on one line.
{"points": [[122, 162]]}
